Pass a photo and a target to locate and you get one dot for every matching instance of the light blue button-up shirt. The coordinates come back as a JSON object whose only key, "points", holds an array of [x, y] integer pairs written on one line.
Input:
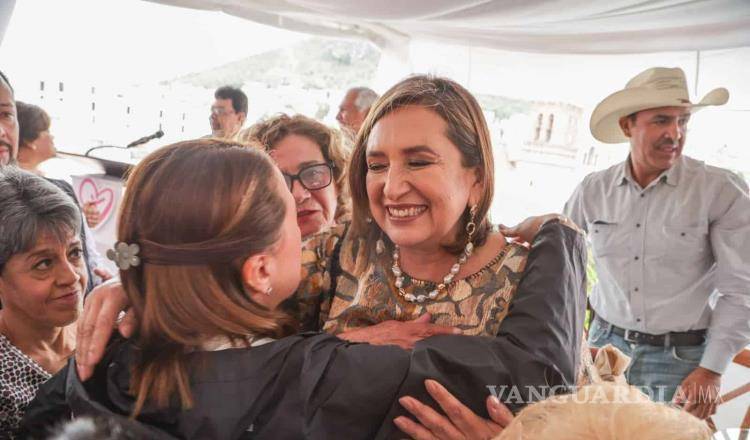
{"points": [[661, 251]]}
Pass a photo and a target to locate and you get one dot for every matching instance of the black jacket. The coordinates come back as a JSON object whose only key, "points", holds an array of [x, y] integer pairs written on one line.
{"points": [[318, 386]]}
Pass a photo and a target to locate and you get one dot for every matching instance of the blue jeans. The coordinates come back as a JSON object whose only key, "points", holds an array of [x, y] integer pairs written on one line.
{"points": [[657, 371]]}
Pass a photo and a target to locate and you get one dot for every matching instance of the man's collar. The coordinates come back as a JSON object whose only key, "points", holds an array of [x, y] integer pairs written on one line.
{"points": [[623, 176], [670, 176]]}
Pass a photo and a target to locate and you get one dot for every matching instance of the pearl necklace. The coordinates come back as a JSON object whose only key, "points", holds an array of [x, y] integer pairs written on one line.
{"points": [[447, 279]]}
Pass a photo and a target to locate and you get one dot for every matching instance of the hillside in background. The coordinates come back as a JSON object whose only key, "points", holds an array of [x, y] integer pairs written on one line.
{"points": [[502, 107], [319, 63], [316, 63]]}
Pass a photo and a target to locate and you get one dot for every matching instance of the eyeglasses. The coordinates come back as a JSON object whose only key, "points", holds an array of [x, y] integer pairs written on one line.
{"points": [[218, 111], [311, 177]]}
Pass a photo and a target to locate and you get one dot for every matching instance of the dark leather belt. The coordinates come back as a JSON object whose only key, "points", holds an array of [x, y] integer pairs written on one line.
{"points": [[690, 337]]}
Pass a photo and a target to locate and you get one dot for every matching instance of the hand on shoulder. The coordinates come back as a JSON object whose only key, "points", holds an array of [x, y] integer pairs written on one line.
{"points": [[525, 231]]}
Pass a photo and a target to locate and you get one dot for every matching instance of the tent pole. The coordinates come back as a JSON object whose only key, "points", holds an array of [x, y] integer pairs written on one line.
{"points": [[697, 70]]}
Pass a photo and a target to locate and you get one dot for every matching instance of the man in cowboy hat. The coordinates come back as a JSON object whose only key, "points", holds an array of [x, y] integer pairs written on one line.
{"points": [[668, 232]]}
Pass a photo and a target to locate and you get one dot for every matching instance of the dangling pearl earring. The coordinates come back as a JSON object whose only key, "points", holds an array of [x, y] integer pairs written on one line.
{"points": [[268, 291], [380, 245], [471, 227]]}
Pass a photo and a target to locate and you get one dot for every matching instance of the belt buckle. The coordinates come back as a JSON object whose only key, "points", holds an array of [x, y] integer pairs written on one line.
{"points": [[628, 338]]}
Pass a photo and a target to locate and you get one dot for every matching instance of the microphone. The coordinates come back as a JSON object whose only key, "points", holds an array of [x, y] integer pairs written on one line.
{"points": [[145, 139], [140, 141]]}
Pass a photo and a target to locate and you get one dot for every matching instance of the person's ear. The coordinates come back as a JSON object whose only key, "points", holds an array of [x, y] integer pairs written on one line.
{"points": [[256, 277], [625, 123], [476, 188], [242, 116]]}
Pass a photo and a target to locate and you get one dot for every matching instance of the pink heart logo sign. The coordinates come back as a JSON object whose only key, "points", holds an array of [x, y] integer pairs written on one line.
{"points": [[103, 198]]}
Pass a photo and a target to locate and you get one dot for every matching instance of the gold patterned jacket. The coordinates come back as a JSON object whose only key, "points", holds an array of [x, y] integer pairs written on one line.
{"points": [[475, 304]]}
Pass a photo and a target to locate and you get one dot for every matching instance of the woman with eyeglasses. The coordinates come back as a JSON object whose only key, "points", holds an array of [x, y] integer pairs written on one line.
{"points": [[313, 160]]}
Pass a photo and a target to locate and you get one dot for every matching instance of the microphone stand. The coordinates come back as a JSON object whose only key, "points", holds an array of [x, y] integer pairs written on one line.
{"points": [[103, 146]]}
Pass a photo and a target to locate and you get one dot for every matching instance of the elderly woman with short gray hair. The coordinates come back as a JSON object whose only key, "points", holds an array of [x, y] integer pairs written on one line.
{"points": [[42, 281]]}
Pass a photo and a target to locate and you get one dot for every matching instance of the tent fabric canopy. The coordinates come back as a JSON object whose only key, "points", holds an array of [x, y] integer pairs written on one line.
{"points": [[545, 26]]}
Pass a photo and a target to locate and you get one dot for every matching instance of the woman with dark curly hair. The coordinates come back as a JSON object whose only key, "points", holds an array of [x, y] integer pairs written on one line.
{"points": [[313, 159]]}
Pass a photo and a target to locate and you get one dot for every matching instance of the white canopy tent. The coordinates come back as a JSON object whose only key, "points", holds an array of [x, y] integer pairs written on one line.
{"points": [[468, 39], [549, 26]]}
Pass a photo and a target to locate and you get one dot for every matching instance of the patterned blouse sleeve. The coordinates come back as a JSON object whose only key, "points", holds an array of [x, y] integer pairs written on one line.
{"points": [[312, 300]]}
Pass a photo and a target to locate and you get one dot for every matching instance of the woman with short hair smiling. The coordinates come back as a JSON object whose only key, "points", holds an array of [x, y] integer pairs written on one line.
{"points": [[42, 281]]}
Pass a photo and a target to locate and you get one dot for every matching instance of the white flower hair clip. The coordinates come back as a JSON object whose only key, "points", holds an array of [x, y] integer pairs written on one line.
{"points": [[124, 255]]}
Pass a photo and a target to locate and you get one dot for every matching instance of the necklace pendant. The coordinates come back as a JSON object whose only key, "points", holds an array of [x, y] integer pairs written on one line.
{"points": [[421, 298], [409, 297], [433, 294]]}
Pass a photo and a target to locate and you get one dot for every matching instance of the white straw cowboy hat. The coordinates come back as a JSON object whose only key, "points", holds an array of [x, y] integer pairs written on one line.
{"points": [[652, 88]]}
